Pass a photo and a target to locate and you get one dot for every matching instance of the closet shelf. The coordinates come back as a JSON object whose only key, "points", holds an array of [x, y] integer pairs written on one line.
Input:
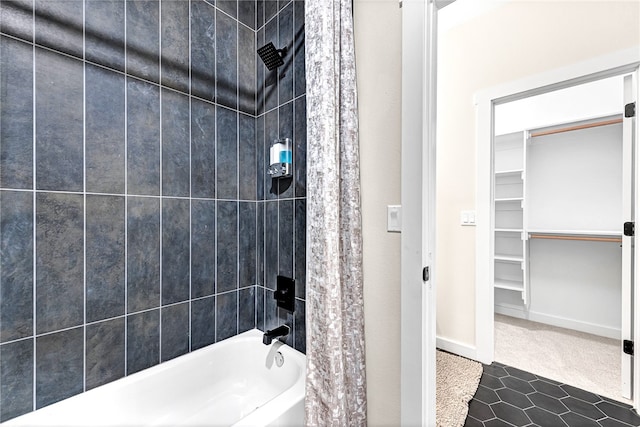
{"points": [[510, 285], [508, 258], [509, 199], [509, 172], [508, 230]]}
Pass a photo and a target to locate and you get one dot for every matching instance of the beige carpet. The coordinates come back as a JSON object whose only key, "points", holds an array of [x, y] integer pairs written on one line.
{"points": [[582, 360], [457, 380]]}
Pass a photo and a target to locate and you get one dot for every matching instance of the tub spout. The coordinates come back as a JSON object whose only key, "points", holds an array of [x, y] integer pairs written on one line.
{"points": [[280, 331]]}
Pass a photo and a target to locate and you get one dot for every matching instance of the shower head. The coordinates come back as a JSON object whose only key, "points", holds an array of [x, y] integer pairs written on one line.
{"points": [[271, 56]]}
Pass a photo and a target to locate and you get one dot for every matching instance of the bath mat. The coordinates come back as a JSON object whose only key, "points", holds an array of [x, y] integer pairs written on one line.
{"points": [[457, 380]]}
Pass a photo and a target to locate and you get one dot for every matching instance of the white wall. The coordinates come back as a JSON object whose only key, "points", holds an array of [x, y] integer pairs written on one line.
{"points": [[509, 42], [378, 55]]}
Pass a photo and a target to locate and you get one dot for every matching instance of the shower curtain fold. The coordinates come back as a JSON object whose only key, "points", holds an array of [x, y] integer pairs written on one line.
{"points": [[336, 383]]}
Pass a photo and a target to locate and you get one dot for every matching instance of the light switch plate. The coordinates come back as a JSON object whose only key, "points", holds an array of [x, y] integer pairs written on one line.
{"points": [[467, 217], [394, 218]]}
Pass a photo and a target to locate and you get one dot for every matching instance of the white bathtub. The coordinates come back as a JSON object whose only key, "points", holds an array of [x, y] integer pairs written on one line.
{"points": [[235, 382]]}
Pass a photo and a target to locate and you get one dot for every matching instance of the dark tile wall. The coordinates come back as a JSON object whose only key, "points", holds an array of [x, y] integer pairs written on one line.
{"points": [[281, 209], [136, 218]]}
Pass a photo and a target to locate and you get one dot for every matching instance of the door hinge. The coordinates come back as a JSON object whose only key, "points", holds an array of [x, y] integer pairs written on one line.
{"points": [[627, 347], [425, 274], [629, 228], [630, 110]]}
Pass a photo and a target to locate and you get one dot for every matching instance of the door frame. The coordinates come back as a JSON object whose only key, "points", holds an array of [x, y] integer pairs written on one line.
{"points": [[417, 319], [617, 63]]}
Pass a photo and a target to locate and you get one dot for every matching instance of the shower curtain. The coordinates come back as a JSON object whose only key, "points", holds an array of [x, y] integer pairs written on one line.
{"points": [[335, 385]]}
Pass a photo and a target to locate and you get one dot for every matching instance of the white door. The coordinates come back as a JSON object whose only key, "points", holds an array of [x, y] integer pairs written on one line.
{"points": [[628, 239]]}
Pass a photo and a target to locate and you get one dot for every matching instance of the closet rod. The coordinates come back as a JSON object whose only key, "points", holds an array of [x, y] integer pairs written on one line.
{"points": [[577, 127], [591, 239]]}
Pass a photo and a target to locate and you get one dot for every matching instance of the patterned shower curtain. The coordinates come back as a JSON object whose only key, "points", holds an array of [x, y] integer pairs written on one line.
{"points": [[336, 385]]}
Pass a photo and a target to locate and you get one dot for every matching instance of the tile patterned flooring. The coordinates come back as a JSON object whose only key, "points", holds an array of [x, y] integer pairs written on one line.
{"points": [[511, 397]]}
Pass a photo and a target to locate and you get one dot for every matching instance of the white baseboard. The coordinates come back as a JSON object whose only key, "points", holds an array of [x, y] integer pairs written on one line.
{"points": [[561, 322], [456, 347]]}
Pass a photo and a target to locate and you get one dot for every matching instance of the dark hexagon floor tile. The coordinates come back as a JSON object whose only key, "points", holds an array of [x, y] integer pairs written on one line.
{"points": [[496, 422], [610, 422], [472, 422], [619, 413], [496, 371], [615, 402], [581, 394], [491, 382], [548, 403], [480, 411], [549, 389], [486, 395], [544, 418], [519, 373], [581, 407], [515, 398], [517, 385], [575, 420], [511, 414]]}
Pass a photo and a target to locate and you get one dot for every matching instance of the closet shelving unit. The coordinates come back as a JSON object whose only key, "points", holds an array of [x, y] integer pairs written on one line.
{"points": [[518, 216], [509, 208]]}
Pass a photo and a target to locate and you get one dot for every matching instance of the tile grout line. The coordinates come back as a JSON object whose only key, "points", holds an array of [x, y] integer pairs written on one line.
{"points": [[34, 200], [126, 199], [84, 197]]}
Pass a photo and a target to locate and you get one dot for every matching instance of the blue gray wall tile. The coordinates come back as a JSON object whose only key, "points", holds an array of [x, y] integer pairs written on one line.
{"points": [[104, 130], [59, 26], [270, 9], [247, 157], [143, 138], [285, 238], [143, 254], [227, 153], [203, 256], [247, 13], [175, 144], [270, 78], [247, 244], [261, 168], [246, 70], [104, 32], [300, 248], [143, 340], [300, 81], [105, 241], [175, 250], [105, 348], [300, 147], [16, 114], [226, 61], [59, 117], [227, 246], [174, 44], [246, 309], [300, 336], [229, 7], [270, 244], [226, 315], [286, 71], [203, 322], [203, 50], [59, 273], [271, 133], [203, 149], [175, 331], [143, 39], [16, 18], [16, 259], [16, 378], [286, 186], [59, 366]]}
